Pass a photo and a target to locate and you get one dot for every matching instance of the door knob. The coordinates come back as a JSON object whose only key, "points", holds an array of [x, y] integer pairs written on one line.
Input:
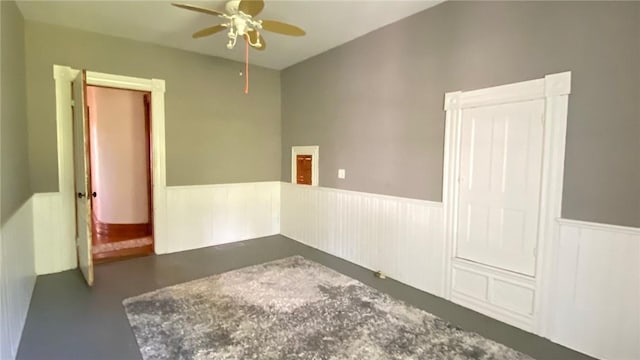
{"points": [[81, 195], [94, 194]]}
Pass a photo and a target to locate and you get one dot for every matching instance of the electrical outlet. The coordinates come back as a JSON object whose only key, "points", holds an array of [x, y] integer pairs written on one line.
{"points": [[341, 174]]}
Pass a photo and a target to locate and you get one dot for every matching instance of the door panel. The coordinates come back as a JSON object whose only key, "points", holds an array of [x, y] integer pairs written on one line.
{"points": [[500, 178], [303, 169], [82, 178]]}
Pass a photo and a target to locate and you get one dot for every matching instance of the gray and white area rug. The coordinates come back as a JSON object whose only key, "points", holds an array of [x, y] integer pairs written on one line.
{"points": [[294, 309]]}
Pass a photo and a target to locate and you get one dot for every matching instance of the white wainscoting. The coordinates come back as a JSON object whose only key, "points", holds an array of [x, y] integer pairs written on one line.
{"points": [[17, 278], [400, 237], [595, 291], [200, 216], [197, 216], [54, 234]]}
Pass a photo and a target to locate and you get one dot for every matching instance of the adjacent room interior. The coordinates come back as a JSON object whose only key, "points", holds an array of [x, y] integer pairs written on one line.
{"points": [[119, 124], [319, 180]]}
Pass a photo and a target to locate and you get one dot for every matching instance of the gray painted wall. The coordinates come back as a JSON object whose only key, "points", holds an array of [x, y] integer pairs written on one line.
{"points": [[214, 133], [374, 105], [15, 188]]}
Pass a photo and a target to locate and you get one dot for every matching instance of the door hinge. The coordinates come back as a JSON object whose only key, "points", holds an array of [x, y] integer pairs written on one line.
{"points": [[73, 103]]}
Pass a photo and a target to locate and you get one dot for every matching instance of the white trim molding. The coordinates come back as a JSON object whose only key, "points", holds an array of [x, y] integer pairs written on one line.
{"points": [[633, 231], [555, 90], [124, 82], [65, 241], [314, 151], [63, 75]]}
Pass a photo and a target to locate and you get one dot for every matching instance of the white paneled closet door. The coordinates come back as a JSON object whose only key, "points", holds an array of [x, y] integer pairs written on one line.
{"points": [[499, 185]]}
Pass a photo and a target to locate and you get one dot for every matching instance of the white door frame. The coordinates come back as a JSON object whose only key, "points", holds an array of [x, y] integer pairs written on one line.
{"points": [[555, 89], [63, 76]]}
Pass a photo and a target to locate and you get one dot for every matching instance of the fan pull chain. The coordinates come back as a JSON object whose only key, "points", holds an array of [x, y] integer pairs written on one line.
{"points": [[246, 65]]}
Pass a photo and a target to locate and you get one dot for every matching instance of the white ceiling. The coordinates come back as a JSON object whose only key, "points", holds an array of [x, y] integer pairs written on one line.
{"points": [[328, 23]]}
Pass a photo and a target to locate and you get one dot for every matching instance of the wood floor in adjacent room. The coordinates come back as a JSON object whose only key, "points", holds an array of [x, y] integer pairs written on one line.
{"points": [[68, 320]]}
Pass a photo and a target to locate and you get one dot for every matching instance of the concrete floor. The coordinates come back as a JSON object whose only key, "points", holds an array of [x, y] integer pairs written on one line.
{"points": [[68, 320]]}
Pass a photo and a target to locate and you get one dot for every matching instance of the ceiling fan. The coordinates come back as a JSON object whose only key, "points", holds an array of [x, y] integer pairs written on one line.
{"points": [[240, 21]]}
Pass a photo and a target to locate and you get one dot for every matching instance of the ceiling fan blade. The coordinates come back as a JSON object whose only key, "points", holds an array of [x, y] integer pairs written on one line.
{"points": [[253, 38], [282, 28], [208, 31], [197, 8], [251, 7]]}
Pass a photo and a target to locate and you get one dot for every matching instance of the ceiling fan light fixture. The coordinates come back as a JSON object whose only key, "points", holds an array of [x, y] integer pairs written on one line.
{"points": [[241, 24], [240, 21]]}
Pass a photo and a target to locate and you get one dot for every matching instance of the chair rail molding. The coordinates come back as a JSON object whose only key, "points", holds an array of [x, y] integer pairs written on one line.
{"points": [[555, 90]]}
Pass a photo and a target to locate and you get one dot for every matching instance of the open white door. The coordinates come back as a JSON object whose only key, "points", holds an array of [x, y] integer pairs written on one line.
{"points": [[82, 177]]}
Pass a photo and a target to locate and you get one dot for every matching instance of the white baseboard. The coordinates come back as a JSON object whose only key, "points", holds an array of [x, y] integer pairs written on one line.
{"points": [[400, 237], [17, 278]]}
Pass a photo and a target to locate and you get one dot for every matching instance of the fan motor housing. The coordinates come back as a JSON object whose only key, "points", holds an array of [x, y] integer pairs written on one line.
{"points": [[232, 6]]}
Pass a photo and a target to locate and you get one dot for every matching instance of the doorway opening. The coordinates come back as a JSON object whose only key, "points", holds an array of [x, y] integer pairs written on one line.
{"points": [[76, 231], [119, 134]]}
